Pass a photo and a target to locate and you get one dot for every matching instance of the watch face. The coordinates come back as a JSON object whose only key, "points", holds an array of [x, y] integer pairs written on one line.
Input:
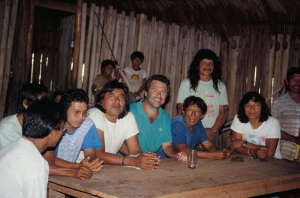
{"points": [[244, 144]]}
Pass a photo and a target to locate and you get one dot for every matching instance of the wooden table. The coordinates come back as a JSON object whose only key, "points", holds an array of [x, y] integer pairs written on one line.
{"points": [[211, 178]]}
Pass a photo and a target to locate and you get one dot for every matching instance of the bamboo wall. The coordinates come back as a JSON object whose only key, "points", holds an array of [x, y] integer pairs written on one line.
{"points": [[168, 48]]}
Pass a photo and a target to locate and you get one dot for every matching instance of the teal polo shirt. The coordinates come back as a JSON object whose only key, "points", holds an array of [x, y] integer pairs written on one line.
{"points": [[151, 135]]}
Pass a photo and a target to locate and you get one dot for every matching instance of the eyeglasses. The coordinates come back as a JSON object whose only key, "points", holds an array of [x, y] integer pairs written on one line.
{"points": [[77, 113]]}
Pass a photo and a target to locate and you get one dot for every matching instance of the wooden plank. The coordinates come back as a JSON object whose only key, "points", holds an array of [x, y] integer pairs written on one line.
{"points": [[278, 63], [251, 66], [151, 54], [146, 45], [112, 33], [10, 38], [3, 41], [77, 43], [173, 77], [88, 48], [233, 62], [97, 68], [136, 31], [164, 50], [124, 44], [240, 70], [56, 62], [174, 179], [246, 65], [30, 38], [121, 37], [263, 65], [224, 62], [65, 55], [258, 56], [186, 62], [158, 46], [93, 56], [117, 35], [271, 60], [285, 56], [130, 41], [82, 44]]}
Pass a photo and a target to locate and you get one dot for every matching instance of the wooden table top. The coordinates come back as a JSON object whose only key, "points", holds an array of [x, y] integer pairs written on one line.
{"points": [[211, 178]]}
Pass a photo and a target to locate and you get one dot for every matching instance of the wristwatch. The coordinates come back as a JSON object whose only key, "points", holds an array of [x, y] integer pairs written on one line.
{"points": [[244, 144]]}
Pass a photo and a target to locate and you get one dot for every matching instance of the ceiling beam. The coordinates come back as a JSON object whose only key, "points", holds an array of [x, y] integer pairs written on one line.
{"points": [[57, 5]]}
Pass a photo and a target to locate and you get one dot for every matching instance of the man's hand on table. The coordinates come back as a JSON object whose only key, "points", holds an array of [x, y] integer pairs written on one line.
{"points": [[221, 154], [147, 161], [95, 165], [82, 173], [181, 156]]}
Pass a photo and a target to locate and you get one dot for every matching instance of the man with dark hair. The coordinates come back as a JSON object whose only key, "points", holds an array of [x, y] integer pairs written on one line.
{"points": [[24, 172], [11, 126], [80, 134], [116, 126], [136, 76], [188, 132], [154, 122], [204, 81], [286, 110]]}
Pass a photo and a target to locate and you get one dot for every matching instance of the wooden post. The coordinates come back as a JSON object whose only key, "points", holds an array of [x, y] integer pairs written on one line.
{"points": [[3, 41], [82, 43], [88, 48], [5, 79], [93, 56], [30, 37], [76, 44]]}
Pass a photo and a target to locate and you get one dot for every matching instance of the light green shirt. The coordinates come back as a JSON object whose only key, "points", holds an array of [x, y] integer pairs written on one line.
{"points": [[10, 130], [206, 92]]}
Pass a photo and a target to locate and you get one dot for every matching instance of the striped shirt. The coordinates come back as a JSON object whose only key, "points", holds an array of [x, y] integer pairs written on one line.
{"points": [[287, 111]]}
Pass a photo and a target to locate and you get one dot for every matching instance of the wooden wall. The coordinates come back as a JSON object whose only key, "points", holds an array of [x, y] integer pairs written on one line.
{"points": [[169, 50]]}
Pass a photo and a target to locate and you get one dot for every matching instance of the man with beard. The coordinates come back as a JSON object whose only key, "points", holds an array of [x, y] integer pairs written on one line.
{"points": [[287, 110], [204, 81], [80, 134], [153, 122]]}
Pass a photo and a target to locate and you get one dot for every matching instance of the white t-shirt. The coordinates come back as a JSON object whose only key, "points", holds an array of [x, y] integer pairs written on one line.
{"points": [[209, 95], [23, 171], [268, 129], [114, 133], [135, 78]]}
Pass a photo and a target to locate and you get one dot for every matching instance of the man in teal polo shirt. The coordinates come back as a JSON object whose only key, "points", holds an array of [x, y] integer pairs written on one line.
{"points": [[153, 122]]}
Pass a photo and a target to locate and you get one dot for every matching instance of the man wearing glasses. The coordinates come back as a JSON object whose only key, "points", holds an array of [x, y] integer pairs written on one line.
{"points": [[80, 134]]}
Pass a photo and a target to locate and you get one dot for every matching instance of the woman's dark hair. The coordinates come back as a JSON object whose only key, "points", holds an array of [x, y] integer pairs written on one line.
{"points": [[193, 73], [254, 97], [30, 93], [195, 100], [109, 87], [160, 78], [57, 93], [72, 95], [106, 63], [137, 54], [41, 117]]}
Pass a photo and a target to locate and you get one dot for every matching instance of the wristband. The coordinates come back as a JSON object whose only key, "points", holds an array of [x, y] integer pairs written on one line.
{"points": [[254, 157], [123, 160]]}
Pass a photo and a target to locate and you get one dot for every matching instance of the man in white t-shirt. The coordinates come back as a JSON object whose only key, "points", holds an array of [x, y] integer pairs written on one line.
{"points": [[117, 126], [135, 75], [24, 172]]}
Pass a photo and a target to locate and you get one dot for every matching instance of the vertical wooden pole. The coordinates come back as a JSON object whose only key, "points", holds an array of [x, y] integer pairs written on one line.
{"points": [[88, 48], [3, 41], [5, 79], [30, 37], [82, 43], [76, 44]]}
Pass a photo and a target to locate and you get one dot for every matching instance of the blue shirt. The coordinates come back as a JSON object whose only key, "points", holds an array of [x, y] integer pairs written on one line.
{"points": [[182, 135], [91, 139], [151, 135]]}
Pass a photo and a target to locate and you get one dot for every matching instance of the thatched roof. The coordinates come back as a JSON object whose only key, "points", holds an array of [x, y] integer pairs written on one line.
{"points": [[224, 17]]}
